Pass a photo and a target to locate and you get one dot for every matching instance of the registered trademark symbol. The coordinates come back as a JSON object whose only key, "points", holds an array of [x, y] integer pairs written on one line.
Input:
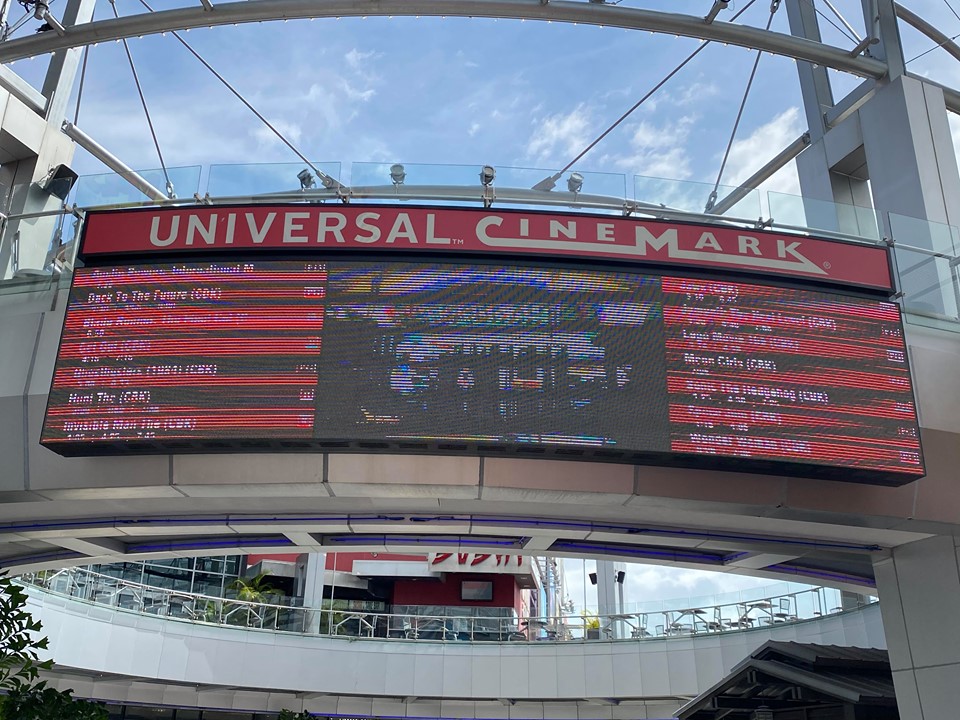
{"points": [[826, 264]]}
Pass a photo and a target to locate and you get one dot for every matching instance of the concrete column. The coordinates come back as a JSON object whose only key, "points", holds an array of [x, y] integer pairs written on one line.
{"points": [[814, 80], [919, 589], [29, 148], [828, 170], [31, 145], [311, 588], [916, 186], [909, 152], [609, 595]]}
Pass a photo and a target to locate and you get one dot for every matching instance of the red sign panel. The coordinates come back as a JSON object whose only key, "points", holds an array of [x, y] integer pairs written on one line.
{"points": [[208, 229]]}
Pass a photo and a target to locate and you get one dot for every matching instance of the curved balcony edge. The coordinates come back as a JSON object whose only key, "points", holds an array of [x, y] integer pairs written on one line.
{"points": [[92, 639]]}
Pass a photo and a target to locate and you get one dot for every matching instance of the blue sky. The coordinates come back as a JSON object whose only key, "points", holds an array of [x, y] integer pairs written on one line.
{"points": [[460, 91]]}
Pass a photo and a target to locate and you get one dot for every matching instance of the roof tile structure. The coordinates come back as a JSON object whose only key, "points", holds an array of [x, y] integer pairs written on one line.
{"points": [[790, 680]]}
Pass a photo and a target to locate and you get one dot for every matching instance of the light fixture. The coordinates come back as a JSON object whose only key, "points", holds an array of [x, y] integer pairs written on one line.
{"points": [[620, 576], [397, 174], [306, 179], [715, 9], [762, 713], [593, 578], [59, 182], [487, 174], [575, 182]]}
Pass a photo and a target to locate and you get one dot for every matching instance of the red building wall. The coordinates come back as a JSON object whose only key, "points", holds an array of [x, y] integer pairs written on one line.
{"points": [[506, 592]]}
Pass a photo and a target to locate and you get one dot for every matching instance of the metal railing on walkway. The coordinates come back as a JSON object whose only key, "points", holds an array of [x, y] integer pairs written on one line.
{"points": [[91, 587]]}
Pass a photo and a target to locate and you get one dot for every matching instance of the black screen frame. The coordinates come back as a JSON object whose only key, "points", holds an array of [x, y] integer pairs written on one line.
{"points": [[777, 468], [487, 596]]}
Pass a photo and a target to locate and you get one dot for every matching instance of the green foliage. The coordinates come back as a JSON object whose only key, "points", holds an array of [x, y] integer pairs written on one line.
{"points": [[255, 589], [591, 622], [45, 703], [291, 715], [20, 665], [209, 611], [251, 590], [20, 645]]}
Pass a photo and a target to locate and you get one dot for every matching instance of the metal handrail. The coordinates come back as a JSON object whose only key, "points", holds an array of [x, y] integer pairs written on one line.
{"points": [[88, 586]]}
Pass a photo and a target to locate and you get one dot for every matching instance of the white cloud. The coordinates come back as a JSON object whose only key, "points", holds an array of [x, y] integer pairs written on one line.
{"points": [[358, 60], [266, 138], [354, 93], [696, 92], [654, 583], [557, 138], [656, 150], [750, 153], [462, 57]]}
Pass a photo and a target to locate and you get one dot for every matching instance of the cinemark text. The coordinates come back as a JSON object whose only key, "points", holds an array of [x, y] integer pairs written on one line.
{"points": [[294, 227]]}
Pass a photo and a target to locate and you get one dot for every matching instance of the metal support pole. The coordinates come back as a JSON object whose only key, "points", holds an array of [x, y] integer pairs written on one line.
{"points": [[62, 71], [814, 80], [880, 21], [111, 161]]}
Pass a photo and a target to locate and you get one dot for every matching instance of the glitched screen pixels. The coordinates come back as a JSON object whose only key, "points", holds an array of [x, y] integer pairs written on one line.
{"points": [[159, 356]]}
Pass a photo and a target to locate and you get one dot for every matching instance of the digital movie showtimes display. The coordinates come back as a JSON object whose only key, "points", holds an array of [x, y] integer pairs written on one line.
{"points": [[311, 354]]}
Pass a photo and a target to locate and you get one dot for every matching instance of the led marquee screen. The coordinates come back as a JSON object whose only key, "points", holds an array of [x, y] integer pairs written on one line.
{"points": [[437, 356]]}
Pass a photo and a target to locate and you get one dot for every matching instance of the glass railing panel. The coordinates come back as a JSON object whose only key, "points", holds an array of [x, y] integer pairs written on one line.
{"points": [[930, 287], [366, 174], [34, 249], [917, 233], [124, 188], [794, 211], [225, 181], [510, 187], [926, 255], [575, 182], [697, 197]]}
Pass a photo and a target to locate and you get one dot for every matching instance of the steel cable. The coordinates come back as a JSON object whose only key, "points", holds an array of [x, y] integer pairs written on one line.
{"points": [[712, 199], [327, 181], [646, 97], [146, 110]]}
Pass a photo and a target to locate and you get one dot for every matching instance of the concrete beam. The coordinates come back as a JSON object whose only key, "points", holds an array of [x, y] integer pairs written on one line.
{"points": [[94, 547]]}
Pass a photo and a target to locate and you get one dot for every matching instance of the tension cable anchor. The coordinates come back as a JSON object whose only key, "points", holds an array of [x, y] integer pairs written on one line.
{"points": [[711, 201]]}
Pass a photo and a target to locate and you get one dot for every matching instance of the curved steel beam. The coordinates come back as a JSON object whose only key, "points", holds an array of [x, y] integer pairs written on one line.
{"points": [[911, 18], [588, 13]]}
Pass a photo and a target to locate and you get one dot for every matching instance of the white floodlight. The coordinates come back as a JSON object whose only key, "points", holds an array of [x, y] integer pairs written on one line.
{"points": [[397, 174], [487, 174], [306, 179], [575, 182]]}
